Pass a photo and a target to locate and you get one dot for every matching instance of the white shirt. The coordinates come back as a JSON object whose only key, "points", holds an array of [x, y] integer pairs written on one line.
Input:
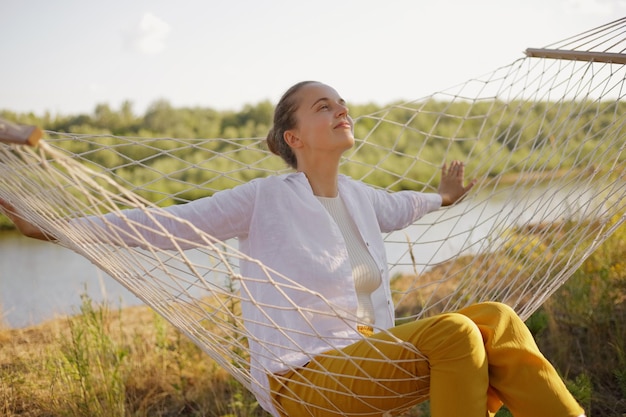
{"points": [[310, 306]]}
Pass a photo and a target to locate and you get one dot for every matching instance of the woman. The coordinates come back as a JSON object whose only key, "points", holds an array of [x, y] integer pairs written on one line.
{"points": [[322, 335]]}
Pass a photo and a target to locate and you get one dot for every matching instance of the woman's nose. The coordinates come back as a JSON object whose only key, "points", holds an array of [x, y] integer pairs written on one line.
{"points": [[343, 110]]}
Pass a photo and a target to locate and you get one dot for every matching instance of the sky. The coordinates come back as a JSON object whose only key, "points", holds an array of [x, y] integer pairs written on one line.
{"points": [[67, 56]]}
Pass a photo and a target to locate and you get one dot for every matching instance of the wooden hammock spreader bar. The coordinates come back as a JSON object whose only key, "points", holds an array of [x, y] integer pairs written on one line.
{"points": [[19, 134], [608, 57]]}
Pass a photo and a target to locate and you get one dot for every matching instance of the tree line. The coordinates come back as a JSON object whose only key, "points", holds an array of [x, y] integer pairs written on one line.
{"points": [[397, 144]]}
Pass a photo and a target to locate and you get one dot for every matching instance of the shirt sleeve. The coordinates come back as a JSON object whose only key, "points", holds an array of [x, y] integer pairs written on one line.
{"points": [[223, 216], [397, 210]]}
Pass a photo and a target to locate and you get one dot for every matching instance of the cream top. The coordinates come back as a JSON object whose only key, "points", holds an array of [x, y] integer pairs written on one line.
{"points": [[364, 269]]}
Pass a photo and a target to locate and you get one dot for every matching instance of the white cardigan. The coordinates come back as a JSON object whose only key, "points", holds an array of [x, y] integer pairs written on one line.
{"points": [[310, 307]]}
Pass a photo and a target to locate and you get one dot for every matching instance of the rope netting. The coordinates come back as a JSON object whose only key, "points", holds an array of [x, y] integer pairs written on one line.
{"points": [[544, 137]]}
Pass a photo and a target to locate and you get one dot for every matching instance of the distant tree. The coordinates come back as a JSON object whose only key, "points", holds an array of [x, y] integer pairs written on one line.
{"points": [[160, 118], [67, 123]]}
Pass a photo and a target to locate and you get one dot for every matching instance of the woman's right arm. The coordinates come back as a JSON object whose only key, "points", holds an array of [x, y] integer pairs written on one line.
{"points": [[133, 227], [24, 226], [225, 215]]}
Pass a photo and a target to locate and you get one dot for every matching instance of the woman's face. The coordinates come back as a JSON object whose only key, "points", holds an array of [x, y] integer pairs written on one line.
{"points": [[322, 120]]}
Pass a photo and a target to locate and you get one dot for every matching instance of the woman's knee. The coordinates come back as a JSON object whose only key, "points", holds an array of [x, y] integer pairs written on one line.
{"points": [[500, 310], [495, 319], [454, 338], [498, 307], [458, 328]]}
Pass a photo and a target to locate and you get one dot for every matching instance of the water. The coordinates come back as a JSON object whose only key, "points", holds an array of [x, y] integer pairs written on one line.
{"points": [[40, 280]]}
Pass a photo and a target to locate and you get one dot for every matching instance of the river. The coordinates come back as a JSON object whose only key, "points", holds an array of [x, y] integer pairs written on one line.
{"points": [[39, 281]]}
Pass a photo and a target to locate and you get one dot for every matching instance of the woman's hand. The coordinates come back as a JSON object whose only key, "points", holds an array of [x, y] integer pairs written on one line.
{"points": [[25, 227], [451, 187]]}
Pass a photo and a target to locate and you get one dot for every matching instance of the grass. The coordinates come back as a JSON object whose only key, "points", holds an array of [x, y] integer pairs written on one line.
{"points": [[582, 329], [111, 363], [131, 363]]}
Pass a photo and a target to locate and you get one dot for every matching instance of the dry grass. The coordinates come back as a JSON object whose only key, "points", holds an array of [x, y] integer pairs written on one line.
{"points": [[111, 363]]}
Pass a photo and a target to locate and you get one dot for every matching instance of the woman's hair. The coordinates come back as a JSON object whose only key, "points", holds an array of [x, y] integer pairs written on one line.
{"points": [[285, 119]]}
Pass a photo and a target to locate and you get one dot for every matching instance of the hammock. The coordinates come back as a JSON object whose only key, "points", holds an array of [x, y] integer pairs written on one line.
{"points": [[544, 136]]}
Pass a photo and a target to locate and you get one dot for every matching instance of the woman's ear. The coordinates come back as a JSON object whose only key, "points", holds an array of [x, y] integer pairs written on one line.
{"points": [[292, 139]]}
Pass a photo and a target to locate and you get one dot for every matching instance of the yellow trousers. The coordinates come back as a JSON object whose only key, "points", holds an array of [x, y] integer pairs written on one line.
{"points": [[468, 363]]}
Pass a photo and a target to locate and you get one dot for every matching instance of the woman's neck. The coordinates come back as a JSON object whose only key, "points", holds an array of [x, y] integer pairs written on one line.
{"points": [[322, 178]]}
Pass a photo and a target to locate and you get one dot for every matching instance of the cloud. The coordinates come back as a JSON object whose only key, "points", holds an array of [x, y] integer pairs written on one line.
{"points": [[151, 35]]}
